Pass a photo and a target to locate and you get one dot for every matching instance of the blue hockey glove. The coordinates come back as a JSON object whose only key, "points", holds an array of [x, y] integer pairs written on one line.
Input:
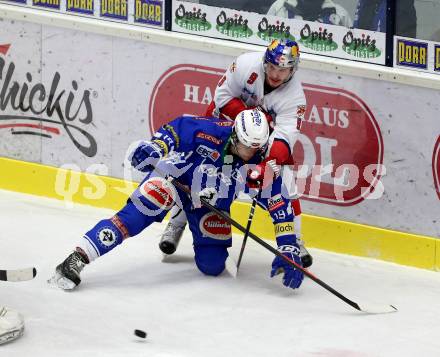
{"points": [[145, 155], [292, 277]]}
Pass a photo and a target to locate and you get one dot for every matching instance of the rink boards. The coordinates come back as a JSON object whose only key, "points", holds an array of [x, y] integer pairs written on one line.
{"points": [[319, 232], [86, 92]]}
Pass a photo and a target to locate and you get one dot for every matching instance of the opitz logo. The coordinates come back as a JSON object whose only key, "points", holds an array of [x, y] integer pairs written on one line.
{"points": [[361, 47], [51, 107], [235, 26], [268, 31], [194, 20]]}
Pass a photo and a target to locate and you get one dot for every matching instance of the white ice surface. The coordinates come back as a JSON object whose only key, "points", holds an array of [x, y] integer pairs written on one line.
{"points": [[188, 314]]}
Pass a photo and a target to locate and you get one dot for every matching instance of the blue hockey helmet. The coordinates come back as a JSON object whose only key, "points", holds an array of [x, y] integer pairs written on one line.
{"points": [[283, 53]]}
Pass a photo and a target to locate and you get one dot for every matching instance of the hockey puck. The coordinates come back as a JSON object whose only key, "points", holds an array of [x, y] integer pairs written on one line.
{"points": [[140, 333]]}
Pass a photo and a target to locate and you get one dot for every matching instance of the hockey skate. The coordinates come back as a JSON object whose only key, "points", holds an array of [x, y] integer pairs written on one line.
{"points": [[11, 325], [171, 238], [66, 275], [306, 258]]}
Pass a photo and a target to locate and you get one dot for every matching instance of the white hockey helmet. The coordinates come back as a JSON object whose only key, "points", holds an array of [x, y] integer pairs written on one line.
{"points": [[251, 129]]}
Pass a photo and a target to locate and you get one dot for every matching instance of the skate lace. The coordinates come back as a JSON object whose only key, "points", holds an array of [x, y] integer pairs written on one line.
{"points": [[75, 263]]}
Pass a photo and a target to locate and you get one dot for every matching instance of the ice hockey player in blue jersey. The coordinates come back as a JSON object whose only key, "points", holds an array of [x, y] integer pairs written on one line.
{"points": [[213, 158]]}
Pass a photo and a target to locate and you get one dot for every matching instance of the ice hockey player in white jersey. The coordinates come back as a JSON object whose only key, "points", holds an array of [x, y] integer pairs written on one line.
{"points": [[11, 324], [263, 80]]}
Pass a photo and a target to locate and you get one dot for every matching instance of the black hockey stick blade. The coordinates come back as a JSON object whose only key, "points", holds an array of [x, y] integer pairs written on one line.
{"points": [[367, 308], [372, 308], [18, 274]]}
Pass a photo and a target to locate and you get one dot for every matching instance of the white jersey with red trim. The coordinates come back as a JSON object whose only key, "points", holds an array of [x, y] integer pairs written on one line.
{"points": [[245, 80]]}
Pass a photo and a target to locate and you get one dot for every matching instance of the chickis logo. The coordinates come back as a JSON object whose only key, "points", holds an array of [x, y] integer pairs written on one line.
{"points": [[235, 26], [339, 152], [32, 108], [360, 47], [436, 166], [321, 40], [269, 32], [194, 20]]}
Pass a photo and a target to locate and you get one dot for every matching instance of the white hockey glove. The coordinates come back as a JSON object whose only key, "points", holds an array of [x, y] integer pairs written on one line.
{"points": [[11, 325], [209, 194]]}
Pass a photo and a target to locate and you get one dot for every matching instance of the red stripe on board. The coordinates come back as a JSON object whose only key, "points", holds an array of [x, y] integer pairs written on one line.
{"points": [[42, 127]]}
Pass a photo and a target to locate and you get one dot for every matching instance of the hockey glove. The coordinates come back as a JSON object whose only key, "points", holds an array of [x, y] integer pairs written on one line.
{"points": [[263, 174], [145, 156], [209, 194], [292, 277]]}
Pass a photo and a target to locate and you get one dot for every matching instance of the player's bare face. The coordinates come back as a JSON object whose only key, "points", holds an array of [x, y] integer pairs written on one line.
{"points": [[244, 152], [275, 75]]}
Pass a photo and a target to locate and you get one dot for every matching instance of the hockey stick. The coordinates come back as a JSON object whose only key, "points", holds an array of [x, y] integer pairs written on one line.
{"points": [[248, 227], [365, 307], [18, 274]]}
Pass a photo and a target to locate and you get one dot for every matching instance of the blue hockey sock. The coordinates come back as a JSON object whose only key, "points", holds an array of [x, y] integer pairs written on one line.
{"points": [[105, 236]]}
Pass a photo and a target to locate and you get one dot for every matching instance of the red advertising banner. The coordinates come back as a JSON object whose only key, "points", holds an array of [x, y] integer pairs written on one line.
{"points": [[436, 166]]}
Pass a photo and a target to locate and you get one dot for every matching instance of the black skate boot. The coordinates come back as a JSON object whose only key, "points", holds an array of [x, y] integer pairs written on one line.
{"points": [[67, 273]]}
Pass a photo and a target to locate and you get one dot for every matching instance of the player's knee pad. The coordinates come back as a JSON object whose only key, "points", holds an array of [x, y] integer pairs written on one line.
{"points": [[106, 235], [210, 259]]}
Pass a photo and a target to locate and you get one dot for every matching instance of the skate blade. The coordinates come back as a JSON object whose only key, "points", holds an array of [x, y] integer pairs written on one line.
{"points": [[231, 267], [61, 282]]}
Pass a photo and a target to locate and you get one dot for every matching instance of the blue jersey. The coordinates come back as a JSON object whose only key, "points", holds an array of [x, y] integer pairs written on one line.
{"points": [[196, 151]]}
